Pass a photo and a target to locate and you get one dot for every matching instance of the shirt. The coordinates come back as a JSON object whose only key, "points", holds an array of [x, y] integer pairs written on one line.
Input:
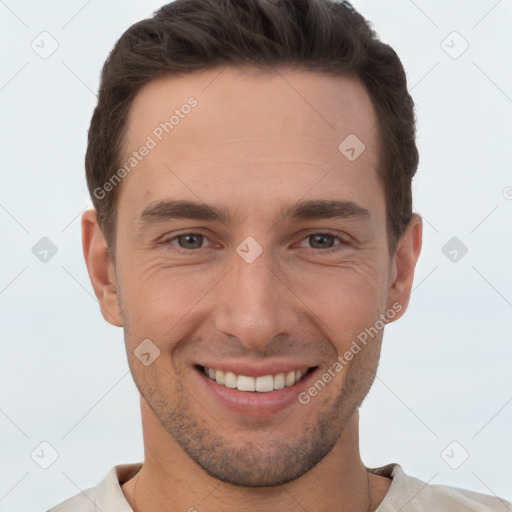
{"points": [[406, 493]]}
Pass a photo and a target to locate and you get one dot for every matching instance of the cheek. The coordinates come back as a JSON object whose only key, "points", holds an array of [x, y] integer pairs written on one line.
{"points": [[163, 302], [158, 299], [345, 300]]}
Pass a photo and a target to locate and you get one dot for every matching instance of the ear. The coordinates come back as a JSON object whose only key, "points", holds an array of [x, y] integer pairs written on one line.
{"points": [[101, 269], [403, 265]]}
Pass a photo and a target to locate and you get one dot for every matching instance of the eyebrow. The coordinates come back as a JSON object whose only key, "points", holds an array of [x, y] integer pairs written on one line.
{"points": [[165, 210]]}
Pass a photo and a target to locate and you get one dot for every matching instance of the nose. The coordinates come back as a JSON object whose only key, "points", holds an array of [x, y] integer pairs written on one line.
{"points": [[255, 302]]}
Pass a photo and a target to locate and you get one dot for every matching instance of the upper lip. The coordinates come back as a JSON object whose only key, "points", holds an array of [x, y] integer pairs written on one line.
{"points": [[256, 370]]}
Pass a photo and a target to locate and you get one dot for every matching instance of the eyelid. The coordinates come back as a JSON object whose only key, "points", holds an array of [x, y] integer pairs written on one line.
{"points": [[337, 236], [171, 238]]}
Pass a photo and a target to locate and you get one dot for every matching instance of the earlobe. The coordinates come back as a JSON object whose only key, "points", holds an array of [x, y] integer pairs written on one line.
{"points": [[100, 267], [403, 265]]}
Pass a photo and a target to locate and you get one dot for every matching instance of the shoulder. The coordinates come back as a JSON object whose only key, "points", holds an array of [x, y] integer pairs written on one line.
{"points": [[106, 496], [415, 495], [82, 502]]}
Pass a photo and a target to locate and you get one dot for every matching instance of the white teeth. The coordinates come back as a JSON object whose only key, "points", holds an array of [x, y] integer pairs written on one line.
{"points": [[230, 380], [289, 379], [262, 384], [245, 383], [219, 376], [279, 381]]}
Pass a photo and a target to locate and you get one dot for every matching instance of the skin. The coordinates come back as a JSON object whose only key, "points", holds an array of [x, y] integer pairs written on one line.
{"points": [[254, 144]]}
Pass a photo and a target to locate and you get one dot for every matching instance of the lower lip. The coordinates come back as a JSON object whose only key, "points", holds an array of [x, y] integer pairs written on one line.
{"points": [[253, 403]]}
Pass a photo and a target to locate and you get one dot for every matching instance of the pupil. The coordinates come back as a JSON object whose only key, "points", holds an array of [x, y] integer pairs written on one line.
{"points": [[190, 238], [321, 239]]}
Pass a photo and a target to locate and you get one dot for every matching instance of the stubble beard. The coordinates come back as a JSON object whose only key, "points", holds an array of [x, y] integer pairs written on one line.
{"points": [[266, 462], [269, 460]]}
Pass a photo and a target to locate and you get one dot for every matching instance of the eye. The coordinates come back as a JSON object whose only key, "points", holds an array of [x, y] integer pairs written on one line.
{"points": [[188, 241], [324, 241], [191, 242]]}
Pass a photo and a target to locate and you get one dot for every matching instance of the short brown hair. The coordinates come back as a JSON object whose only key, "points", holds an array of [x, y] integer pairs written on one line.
{"points": [[320, 35]]}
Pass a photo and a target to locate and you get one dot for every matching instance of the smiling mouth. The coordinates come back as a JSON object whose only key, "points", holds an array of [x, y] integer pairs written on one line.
{"points": [[262, 384]]}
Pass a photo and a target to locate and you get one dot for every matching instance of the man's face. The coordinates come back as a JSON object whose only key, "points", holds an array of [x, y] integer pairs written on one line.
{"points": [[253, 146]]}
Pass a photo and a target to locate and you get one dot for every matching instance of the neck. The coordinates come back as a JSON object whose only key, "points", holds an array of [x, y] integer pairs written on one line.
{"points": [[170, 480]]}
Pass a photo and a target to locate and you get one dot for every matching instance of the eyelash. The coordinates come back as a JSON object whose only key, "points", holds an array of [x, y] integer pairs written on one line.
{"points": [[342, 241]]}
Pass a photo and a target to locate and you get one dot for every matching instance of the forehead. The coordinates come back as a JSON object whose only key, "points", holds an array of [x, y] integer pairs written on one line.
{"points": [[225, 127], [242, 102]]}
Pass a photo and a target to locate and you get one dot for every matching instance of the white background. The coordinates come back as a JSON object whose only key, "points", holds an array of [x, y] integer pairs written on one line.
{"points": [[445, 372]]}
